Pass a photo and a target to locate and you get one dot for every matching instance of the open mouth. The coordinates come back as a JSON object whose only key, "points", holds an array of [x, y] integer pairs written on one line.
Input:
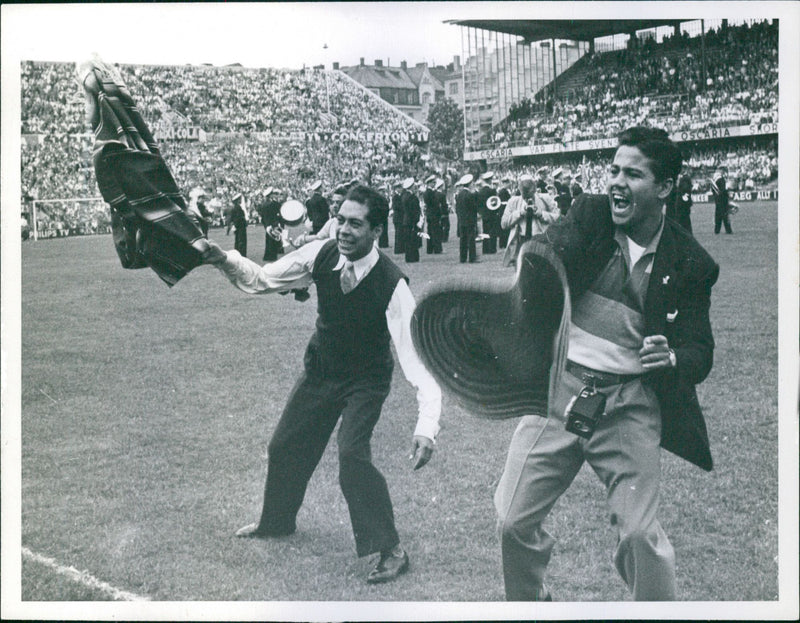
{"points": [[620, 203]]}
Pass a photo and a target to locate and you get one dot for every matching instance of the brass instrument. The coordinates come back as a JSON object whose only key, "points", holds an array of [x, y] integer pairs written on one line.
{"points": [[493, 203]]}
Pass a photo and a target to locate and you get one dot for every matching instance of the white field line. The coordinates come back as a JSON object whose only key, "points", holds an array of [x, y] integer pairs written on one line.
{"points": [[83, 577]]}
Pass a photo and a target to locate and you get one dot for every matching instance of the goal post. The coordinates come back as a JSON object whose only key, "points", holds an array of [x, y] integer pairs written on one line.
{"points": [[84, 210]]}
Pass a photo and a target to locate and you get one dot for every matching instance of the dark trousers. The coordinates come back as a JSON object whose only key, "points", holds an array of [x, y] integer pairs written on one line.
{"points": [[383, 240], [399, 240], [272, 248], [503, 238], [240, 241], [721, 218], [411, 244], [297, 445], [445, 228], [466, 245], [434, 243]]}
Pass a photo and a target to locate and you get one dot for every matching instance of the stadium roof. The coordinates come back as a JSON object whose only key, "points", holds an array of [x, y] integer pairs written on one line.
{"points": [[577, 30]]}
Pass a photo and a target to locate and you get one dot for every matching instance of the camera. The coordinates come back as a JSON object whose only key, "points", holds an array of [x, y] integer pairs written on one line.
{"points": [[584, 412]]}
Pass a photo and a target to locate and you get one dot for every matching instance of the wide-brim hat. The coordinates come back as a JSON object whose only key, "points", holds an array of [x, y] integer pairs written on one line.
{"points": [[557, 172], [408, 183], [315, 185], [487, 176], [498, 346], [466, 179], [430, 178], [269, 191], [438, 184], [293, 212]]}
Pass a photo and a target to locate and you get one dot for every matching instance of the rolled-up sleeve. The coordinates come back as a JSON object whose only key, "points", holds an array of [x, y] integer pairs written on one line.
{"points": [[429, 395], [291, 271]]}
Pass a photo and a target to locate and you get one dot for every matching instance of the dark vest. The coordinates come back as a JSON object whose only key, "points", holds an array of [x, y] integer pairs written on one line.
{"points": [[351, 337]]}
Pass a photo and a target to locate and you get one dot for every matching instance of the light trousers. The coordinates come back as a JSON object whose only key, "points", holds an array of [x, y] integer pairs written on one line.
{"points": [[542, 462]]}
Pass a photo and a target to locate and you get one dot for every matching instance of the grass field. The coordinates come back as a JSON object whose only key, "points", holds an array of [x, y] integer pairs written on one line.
{"points": [[146, 413]]}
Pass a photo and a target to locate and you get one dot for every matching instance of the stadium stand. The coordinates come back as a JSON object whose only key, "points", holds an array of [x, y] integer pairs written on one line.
{"points": [[228, 129], [661, 84], [234, 129]]}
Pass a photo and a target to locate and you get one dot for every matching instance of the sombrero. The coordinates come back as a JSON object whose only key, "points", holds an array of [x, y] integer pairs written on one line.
{"points": [[498, 346], [293, 212]]}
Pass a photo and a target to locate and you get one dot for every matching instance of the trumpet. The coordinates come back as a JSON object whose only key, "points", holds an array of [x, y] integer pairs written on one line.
{"points": [[493, 203], [275, 232]]}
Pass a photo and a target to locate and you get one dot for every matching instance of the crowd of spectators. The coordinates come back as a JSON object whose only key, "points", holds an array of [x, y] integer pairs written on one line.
{"points": [[751, 163], [262, 127], [664, 84], [286, 129]]}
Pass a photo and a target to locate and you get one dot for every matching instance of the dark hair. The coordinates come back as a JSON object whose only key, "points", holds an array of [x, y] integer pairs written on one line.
{"points": [[656, 145], [377, 205]]}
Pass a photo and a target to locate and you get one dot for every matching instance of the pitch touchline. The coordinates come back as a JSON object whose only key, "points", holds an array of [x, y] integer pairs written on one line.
{"points": [[84, 577]]}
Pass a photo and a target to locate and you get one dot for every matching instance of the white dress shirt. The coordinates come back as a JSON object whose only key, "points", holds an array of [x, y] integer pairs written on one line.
{"points": [[293, 270]]}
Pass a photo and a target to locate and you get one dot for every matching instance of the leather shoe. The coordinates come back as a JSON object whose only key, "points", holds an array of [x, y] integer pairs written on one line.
{"points": [[543, 594], [251, 531], [390, 565]]}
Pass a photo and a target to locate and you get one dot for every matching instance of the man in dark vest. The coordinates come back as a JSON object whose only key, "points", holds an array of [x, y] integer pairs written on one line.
{"points": [[364, 303], [317, 208], [433, 217], [639, 341], [411, 216], [467, 215]]}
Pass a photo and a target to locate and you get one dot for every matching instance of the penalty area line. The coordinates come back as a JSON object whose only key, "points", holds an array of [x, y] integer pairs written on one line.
{"points": [[83, 577]]}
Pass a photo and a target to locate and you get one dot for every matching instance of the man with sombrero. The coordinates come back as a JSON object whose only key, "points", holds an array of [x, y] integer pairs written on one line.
{"points": [[598, 344]]}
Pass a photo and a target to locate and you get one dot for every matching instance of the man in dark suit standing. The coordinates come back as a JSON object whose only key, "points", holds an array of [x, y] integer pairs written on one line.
{"points": [[467, 215], [489, 224], [411, 216], [719, 188], [239, 223], [317, 208], [269, 211], [680, 210], [639, 341], [433, 217], [504, 193], [444, 209], [563, 196], [397, 219], [364, 304]]}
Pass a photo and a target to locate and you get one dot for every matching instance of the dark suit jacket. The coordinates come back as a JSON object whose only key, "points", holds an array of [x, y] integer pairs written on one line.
{"points": [[466, 211], [318, 213], [676, 306]]}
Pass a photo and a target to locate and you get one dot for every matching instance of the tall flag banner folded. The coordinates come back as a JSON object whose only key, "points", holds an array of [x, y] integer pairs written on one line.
{"points": [[149, 223]]}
